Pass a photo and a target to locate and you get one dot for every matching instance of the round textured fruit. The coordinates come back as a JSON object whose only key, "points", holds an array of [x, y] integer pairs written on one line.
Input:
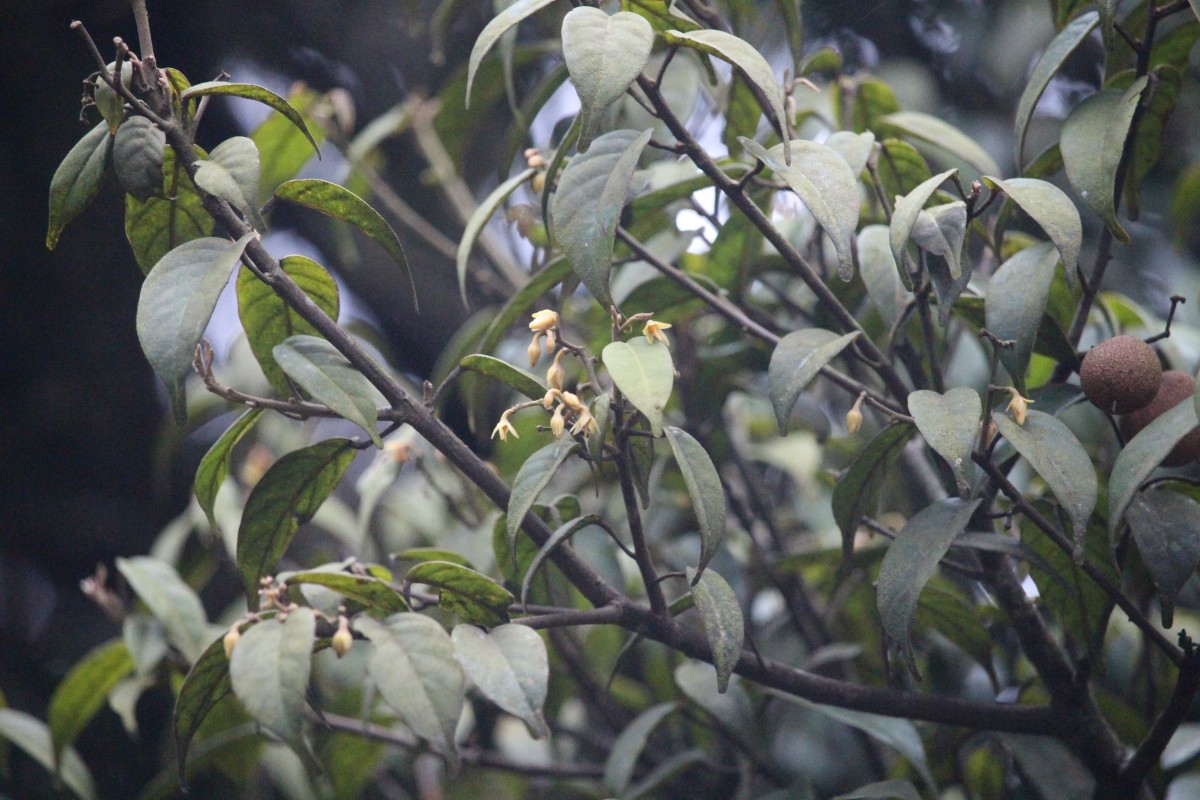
{"points": [[1176, 388], [1121, 375]]}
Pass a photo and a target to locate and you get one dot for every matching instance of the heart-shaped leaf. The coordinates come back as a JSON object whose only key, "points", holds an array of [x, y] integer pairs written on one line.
{"points": [[721, 616], [644, 373], [77, 180], [1166, 527], [950, 423], [587, 206], [604, 56], [904, 217], [797, 359], [509, 666], [704, 486], [1050, 208], [232, 173], [1016, 301], [319, 369], [269, 672]]}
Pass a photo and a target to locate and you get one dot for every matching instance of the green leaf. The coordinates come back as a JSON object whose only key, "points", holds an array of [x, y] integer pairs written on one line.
{"points": [[232, 173], [1195, 4], [524, 382], [145, 638], [950, 614], [365, 589], [1056, 455], [1051, 60], [342, 204], [644, 373], [414, 668], [604, 56], [629, 744], [32, 736], [563, 533], [733, 708], [109, 103], [1050, 208], [884, 790], [138, 157], [416, 554], [476, 597], [901, 166], [1166, 527], [84, 691], [666, 770], [797, 359], [319, 369], [941, 230], [161, 224], [855, 148], [286, 497], [269, 672], [494, 30], [1016, 301], [1140, 457], [877, 267], [587, 206], [1092, 141], [950, 424], [522, 300], [721, 615], [826, 184], [904, 217], [911, 560], [284, 149], [77, 180], [509, 666], [1048, 764], [171, 601], [210, 475], [704, 487], [1148, 146], [268, 320], [532, 478], [479, 220], [251, 92], [932, 130], [854, 496], [750, 63], [176, 302], [206, 684]]}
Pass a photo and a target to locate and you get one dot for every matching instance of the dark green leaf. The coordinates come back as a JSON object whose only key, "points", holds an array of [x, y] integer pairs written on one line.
{"points": [[319, 369], [884, 790], [663, 15], [854, 495], [1166, 527], [84, 691], [721, 615], [176, 302], [172, 602], [1049, 766], [1051, 60], [563, 533], [904, 217], [206, 684], [210, 475], [951, 615], [587, 206], [1016, 301], [1050, 208], [268, 320], [474, 596], [77, 180], [479, 220], [416, 554], [950, 424], [911, 560], [494, 30], [232, 173], [509, 666], [138, 157], [667, 769], [161, 224], [532, 478], [365, 589], [413, 665], [33, 737], [269, 672], [286, 497], [704, 486], [1148, 146], [935, 131], [524, 382], [644, 373], [627, 749], [797, 359], [1140, 457], [901, 167], [604, 56], [252, 92], [342, 204], [1055, 454]]}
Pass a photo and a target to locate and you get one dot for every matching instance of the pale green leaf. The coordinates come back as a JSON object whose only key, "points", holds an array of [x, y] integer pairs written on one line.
{"points": [[911, 560], [172, 602], [251, 92], [494, 30], [319, 369], [413, 665], [1016, 300], [1140, 457], [644, 373], [532, 478], [826, 184], [1166, 527], [509, 666], [854, 148], [1050, 208], [479, 220], [950, 423], [214, 467], [932, 130], [138, 157], [941, 230], [269, 672], [604, 56], [33, 737], [586, 209], [82, 692], [627, 749], [77, 180], [877, 266], [1051, 60], [704, 487], [721, 616], [232, 173], [904, 217], [797, 359]]}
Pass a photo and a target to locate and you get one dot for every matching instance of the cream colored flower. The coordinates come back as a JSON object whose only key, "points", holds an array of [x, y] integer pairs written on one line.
{"points": [[1018, 406], [586, 422], [654, 330], [504, 427], [544, 320]]}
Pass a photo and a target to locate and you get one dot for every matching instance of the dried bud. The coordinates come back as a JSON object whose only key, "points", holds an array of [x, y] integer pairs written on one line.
{"points": [[231, 639], [343, 640]]}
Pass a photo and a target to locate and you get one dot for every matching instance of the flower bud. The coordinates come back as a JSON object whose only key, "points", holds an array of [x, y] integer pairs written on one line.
{"points": [[535, 350], [551, 341], [544, 320], [343, 640], [231, 639], [854, 417], [1018, 407], [556, 374], [557, 423]]}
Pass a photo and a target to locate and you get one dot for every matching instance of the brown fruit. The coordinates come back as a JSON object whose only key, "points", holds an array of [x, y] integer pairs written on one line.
{"points": [[1121, 375], [1176, 388]]}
